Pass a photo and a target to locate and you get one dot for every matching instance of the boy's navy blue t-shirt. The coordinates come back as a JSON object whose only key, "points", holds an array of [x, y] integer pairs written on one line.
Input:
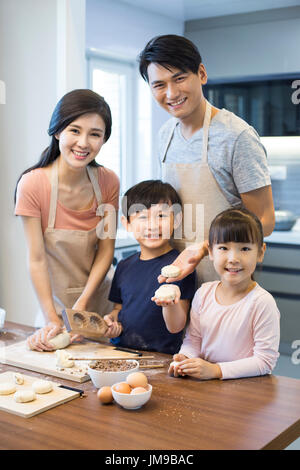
{"points": [[133, 285]]}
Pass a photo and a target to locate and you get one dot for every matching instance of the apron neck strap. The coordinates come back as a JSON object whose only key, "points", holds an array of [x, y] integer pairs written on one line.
{"points": [[54, 192], [93, 175], [206, 124]]}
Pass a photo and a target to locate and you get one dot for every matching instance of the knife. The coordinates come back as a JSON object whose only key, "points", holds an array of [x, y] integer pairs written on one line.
{"points": [[138, 353]]}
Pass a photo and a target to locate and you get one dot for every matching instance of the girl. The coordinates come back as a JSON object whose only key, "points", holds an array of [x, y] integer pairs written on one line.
{"points": [[61, 199], [234, 327]]}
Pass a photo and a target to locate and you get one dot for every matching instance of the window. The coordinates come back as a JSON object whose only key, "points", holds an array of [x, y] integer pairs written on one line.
{"points": [[128, 150]]}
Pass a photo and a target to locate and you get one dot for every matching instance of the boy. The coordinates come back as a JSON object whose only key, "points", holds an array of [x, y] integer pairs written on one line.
{"points": [[151, 210]]}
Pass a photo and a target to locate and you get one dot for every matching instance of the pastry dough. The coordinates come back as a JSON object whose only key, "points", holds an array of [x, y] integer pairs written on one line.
{"points": [[60, 341], [6, 388], [165, 292], [24, 396], [62, 359], [170, 271], [42, 386]]}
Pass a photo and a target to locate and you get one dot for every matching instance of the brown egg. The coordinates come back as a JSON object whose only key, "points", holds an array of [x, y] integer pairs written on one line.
{"points": [[122, 387], [105, 395], [137, 379], [137, 390]]}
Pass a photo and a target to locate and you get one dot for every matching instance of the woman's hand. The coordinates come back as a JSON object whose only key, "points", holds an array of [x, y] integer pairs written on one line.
{"points": [[114, 327], [166, 303], [199, 368], [39, 341], [187, 261]]}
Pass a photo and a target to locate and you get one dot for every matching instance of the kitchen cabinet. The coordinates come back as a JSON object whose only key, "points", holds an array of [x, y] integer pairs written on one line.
{"points": [[280, 275], [263, 102]]}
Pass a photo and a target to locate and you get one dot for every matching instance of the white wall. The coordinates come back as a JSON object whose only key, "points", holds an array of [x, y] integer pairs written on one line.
{"points": [[248, 44], [122, 31], [32, 32]]}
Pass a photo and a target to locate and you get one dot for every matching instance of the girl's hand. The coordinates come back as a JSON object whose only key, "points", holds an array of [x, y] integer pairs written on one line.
{"points": [[39, 341], [199, 368], [173, 368], [114, 327], [167, 303], [187, 261]]}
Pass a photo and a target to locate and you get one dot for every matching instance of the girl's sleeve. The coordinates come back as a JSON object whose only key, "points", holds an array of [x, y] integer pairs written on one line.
{"points": [[191, 346], [266, 335], [28, 201]]}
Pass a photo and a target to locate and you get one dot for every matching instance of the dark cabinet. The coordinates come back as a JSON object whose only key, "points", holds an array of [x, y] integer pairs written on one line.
{"points": [[268, 104]]}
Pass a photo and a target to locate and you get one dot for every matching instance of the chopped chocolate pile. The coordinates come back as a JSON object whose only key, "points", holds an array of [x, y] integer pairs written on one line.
{"points": [[112, 366]]}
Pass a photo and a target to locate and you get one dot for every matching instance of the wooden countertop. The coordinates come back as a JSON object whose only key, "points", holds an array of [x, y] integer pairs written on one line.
{"points": [[182, 414]]}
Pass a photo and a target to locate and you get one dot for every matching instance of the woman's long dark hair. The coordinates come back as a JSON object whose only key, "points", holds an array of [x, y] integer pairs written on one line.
{"points": [[71, 106]]}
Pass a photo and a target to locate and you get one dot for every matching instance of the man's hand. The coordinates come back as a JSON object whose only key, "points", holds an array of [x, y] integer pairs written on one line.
{"points": [[187, 261]]}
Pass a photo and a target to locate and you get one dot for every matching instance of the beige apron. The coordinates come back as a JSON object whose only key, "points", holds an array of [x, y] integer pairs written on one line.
{"points": [[71, 254], [201, 197]]}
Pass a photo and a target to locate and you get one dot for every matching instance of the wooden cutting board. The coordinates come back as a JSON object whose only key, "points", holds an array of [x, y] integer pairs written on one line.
{"points": [[43, 402], [19, 355]]}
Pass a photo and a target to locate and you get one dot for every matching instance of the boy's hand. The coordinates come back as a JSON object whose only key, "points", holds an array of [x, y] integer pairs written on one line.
{"points": [[199, 368], [114, 327], [173, 367], [187, 261], [166, 303]]}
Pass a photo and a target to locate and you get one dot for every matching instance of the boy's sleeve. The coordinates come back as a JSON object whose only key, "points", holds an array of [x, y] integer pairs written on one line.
{"points": [[115, 294], [188, 286]]}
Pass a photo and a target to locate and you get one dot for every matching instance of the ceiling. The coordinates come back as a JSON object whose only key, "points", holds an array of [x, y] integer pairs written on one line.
{"points": [[186, 10]]}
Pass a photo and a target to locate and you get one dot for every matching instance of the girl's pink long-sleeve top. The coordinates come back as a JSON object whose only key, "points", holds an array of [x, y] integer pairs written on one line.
{"points": [[242, 338]]}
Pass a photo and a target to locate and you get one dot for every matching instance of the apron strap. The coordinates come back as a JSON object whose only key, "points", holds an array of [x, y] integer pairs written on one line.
{"points": [[93, 175], [53, 197], [169, 140], [206, 124]]}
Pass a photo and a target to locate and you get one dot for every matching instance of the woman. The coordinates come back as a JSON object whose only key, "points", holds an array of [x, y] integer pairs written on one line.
{"points": [[61, 200]]}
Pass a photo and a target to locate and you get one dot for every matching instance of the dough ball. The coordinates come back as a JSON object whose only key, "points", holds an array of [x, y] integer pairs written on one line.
{"points": [[170, 271], [62, 359], [6, 388], [42, 386], [24, 396], [165, 292], [60, 341]]}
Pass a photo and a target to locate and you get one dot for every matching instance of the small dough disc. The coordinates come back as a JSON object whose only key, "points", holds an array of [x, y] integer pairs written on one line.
{"points": [[165, 292], [24, 396], [6, 388], [170, 271], [60, 341], [42, 386]]}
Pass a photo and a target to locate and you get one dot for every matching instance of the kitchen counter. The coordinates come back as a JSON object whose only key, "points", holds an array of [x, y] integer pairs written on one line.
{"points": [[290, 237], [183, 413]]}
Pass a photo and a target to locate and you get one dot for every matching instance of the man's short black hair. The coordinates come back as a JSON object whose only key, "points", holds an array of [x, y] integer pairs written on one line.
{"points": [[170, 51], [147, 193]]}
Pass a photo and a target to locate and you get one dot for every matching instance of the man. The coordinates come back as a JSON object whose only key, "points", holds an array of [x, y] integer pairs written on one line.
{"points": [[213, 158]]}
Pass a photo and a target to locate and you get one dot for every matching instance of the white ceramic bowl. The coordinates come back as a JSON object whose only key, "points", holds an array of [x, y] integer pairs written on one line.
{"points": [[108, 378], [132, 402]]}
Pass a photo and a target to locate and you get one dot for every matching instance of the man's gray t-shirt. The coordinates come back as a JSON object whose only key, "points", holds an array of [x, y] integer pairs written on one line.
{"points": [[236, 157]]}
